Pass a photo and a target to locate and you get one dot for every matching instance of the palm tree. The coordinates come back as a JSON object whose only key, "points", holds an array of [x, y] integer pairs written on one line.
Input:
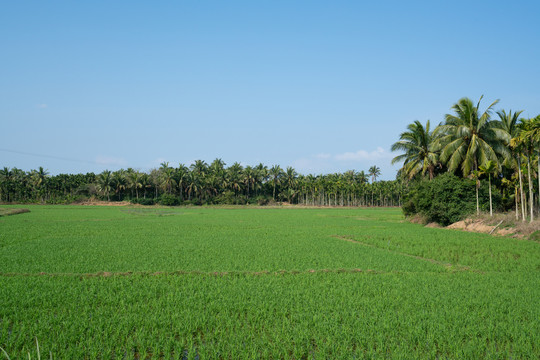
{"points": [[530, 130], [39, 179], [234, 177], [469, 138], [119, 182], [530, 136], [248, 178], [275, 175], [509, 123], [134, 181], [290, 179], [104, 183], [374, 172], [180, 177], [167, 179], [489, 168], [420, 154], [6, 183]]}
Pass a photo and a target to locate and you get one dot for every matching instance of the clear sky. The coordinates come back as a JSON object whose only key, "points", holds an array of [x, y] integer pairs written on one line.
{"points": [[323, 86]]}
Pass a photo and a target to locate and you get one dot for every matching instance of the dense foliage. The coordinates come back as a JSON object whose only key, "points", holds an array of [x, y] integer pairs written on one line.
{"points": [[273, 283], [446, 199], [202, 183], [497, 155]]}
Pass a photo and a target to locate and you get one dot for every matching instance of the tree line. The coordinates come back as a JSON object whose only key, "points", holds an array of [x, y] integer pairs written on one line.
{"points": [[203, 183], [496, 148]]}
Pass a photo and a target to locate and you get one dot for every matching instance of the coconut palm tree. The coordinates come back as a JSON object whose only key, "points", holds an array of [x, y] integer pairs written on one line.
{"points": [[276, 174], [134, 182], [420, 154], [509, 123], [119, 182], [530, 135], [234, 177], [489, 168], [468, 138], [105, 183], [374, 172], [526, 141]]}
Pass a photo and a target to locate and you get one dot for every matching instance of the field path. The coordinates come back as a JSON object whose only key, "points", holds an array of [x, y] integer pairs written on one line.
{"points": [[448, 266]]}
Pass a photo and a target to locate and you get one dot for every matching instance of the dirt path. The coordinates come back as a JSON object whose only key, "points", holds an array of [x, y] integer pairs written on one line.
{"points": [[446, 265]]}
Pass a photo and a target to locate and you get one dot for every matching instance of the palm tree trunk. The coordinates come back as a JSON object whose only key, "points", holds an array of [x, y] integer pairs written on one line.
{"points": [[531, 194], [490, 203], [517, 205], [477, 186], [521, 190], [538, 175]]}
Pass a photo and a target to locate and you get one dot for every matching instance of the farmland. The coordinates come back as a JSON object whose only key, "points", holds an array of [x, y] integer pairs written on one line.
{"points": [[241, 282]]}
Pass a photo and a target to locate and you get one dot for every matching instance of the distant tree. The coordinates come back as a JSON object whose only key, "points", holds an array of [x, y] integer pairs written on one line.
{"points": [[104, 183]]}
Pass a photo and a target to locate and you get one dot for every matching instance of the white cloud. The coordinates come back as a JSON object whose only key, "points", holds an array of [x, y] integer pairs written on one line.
{"points": [[41, 106], [110, 161], [323, 156], [363, 155]]}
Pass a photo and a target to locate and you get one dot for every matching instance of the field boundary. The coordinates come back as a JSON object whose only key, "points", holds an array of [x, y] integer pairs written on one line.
{"points": [[447, 265], [105, 274]]}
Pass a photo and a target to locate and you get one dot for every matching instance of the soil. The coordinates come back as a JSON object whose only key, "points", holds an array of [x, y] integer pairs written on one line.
{"points": [[481, 226], [105, 203]]}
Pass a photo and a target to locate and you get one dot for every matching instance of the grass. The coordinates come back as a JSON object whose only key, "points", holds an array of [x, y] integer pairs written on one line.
{"points": [[134, 283]]}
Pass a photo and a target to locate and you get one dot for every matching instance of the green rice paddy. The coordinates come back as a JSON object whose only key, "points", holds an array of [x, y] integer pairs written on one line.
{"points": [[264, 283]]}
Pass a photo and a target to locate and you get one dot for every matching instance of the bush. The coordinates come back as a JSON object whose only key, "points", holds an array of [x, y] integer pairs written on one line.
{"points": [[169, 200], [143, 201], [447, 199], [262, 200]]}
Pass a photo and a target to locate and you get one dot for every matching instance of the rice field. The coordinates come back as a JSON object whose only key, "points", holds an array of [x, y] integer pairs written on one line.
{"points": [[265, 283]]}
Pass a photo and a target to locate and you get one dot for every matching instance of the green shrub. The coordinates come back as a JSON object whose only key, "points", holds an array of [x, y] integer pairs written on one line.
{"points": [[262, 200], [143, 201], [447, 199], [169, 200]]}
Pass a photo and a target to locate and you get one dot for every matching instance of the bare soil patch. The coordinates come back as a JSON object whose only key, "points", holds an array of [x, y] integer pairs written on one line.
{"points": [[105, 203], [498, 224], [7, 212]]}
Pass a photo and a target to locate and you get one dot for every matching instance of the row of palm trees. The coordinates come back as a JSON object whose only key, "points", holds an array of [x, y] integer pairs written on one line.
{"points": [[476, 144], [205, 183]]}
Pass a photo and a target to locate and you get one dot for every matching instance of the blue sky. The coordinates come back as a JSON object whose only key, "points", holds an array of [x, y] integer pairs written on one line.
{"points": [[323, 86]]}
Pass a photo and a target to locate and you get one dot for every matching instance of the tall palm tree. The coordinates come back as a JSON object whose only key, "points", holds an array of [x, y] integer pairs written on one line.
{"points": [[509, 123], [489, 168], [526, 141], [420, 154], [468, 138], [276, 174], [374, 172], [234, 177], [133, 181], [39, 178], [248, 178], [180, 177], [105, 184], [530, 135], [167, 179], [119, 182]]}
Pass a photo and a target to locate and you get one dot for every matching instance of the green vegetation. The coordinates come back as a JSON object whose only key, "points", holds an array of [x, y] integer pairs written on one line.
{"points": [[472, 145], [202, 184], [237, 282]]}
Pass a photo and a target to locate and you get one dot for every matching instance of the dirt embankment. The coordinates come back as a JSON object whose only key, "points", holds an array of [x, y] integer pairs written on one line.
{"points": [[483, 226], [500, 224]]}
